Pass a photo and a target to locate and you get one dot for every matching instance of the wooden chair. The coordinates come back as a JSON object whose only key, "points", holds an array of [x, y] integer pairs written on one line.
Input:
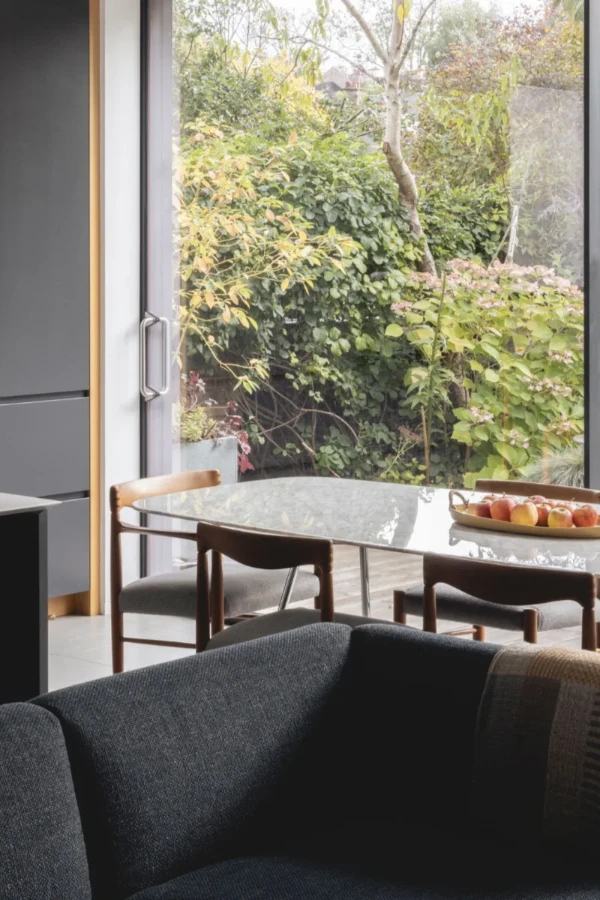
{"points": [[552, 492], [264, 551], [515, 597], [175, 592]]}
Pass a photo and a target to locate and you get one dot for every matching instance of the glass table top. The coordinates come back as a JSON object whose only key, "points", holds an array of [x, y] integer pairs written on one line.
{"points": [[373, 514]]}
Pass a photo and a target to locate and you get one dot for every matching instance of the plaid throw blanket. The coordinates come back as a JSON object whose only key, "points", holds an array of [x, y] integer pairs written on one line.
{"points": [[537, 769]]}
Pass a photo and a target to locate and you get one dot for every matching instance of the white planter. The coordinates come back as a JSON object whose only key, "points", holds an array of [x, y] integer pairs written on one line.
{"points": [[221, 454]]}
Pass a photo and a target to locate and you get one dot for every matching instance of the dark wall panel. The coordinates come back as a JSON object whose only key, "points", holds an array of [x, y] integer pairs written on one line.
{"points": [[44, 197], [44, 447]]}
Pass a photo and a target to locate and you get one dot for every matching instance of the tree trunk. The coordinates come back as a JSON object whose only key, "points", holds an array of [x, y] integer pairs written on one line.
{"points": [[459, 395], [407, 187]]}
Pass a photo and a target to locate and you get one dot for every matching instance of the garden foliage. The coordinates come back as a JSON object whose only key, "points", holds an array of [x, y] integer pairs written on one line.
{"points": [[299, 290]]}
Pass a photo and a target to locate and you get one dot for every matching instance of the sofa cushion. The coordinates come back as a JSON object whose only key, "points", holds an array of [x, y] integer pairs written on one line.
{"points": [[411, 724], [42, 851], [432, 875], [178, 764]]}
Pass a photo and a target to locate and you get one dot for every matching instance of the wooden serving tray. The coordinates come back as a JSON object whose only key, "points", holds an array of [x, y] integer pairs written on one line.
{"points": [[463, 518]]}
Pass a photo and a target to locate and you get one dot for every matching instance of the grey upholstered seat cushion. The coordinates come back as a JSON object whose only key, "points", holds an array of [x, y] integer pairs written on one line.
{"points": [[179, 764], [460, 607], [42, 851], [246, 590], [278, 622]]}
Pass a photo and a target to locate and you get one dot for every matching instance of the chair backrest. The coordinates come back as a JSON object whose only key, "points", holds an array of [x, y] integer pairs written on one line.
{"points": [[508, 584], [126, 494], [530, 488], [258, 551]]}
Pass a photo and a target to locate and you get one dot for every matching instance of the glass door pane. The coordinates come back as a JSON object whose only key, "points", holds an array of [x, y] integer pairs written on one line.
{"points": [[376, 263]]}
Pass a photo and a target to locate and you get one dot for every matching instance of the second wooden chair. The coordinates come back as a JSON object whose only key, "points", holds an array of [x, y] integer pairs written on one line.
{"points": [[457, 605], [266, 551], [517, 598]]}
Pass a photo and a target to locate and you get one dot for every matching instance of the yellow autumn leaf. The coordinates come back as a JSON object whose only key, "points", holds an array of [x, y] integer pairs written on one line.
{"points": [[285, 284], [270, 215], [226, 315], [204, 264], [400, 13]]}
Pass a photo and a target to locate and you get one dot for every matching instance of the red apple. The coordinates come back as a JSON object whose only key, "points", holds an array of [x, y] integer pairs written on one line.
{"points": [[560, 517], [543, 510], [585, 517], [501, 509], [479, 508], [537, 498], [524, 514]]}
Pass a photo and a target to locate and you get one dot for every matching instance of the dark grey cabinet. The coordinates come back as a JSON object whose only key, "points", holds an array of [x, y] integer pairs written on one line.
{"points": [[68, 547], [44, 447], [45, 270]]}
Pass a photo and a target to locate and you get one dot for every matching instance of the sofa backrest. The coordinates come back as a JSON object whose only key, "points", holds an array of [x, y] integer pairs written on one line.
{"points": [[42, 850], [414, 706], [177, 764]]}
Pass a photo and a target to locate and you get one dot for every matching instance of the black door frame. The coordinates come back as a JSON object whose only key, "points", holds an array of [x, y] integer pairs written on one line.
{"points": [[592, 242]]}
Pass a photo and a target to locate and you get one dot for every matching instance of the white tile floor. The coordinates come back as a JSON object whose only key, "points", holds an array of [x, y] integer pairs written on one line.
{"points": [[80, 646]]}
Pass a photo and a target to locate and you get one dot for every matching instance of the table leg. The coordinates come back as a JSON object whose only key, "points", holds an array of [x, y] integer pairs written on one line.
{"points": [[288, 587], [365, 590]]}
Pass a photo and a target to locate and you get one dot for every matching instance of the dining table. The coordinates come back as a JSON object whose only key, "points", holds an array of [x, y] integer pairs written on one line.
{"points": [[378, 515]]}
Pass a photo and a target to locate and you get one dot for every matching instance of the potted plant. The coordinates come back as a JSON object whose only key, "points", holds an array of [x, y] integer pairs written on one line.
{"points": [[209, 436]]}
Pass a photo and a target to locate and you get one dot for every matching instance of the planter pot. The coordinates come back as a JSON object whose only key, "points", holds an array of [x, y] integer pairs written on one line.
{"points": [[221, 454]]}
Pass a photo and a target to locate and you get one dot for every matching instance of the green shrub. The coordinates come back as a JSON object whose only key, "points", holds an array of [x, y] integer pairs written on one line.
{"points": [[466, 222], [506, 342]]}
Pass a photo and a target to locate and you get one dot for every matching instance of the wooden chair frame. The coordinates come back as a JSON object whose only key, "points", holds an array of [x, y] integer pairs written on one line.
{"points": [[258, 551], [552, 492], [123, 496], [506, 585]]}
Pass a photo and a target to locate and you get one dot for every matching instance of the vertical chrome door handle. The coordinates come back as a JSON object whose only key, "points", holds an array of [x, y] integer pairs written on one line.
{"points": [[148, 392]]}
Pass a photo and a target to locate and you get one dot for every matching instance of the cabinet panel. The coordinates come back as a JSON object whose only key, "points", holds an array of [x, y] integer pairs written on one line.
{"points": [[44, 447], [44, 186], [68, 548]]}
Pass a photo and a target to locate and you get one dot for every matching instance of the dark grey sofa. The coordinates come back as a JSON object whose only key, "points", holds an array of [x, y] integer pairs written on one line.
{"points": [[321, 763]]}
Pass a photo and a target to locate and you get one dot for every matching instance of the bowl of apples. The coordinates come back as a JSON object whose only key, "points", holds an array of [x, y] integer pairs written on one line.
{"points": [[526, 515]]}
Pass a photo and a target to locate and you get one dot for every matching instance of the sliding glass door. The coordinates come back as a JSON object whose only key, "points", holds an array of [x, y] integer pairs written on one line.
{"points": [[365, 236]]}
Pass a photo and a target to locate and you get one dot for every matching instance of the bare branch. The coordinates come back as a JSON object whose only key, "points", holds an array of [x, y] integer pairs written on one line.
{"points": [[351, 62], [343, 125], [366, 30], [418, 23]]}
